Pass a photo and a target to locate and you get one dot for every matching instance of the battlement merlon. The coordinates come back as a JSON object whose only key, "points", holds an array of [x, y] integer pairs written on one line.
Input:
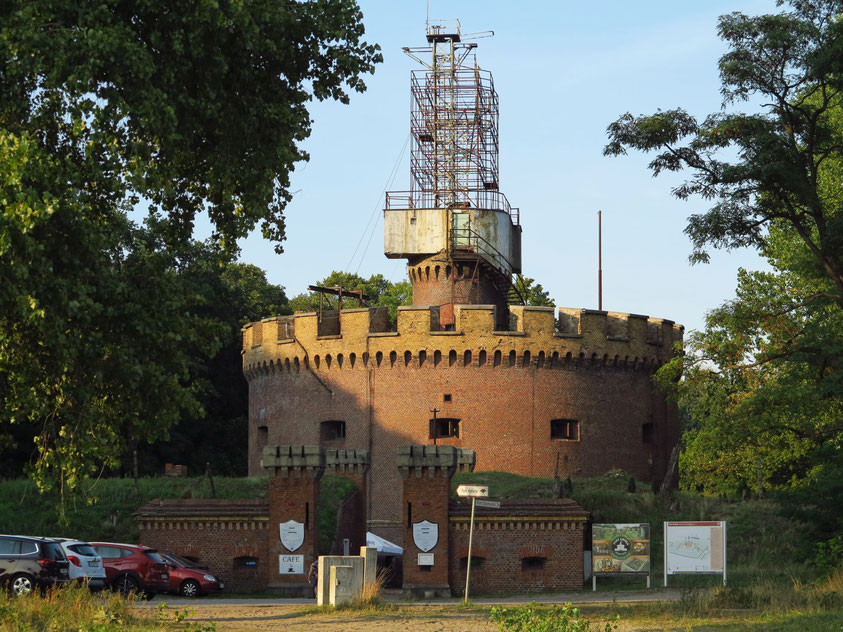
{"points": [[429, 459], [294, 461], [347, 461], [534, 329]]}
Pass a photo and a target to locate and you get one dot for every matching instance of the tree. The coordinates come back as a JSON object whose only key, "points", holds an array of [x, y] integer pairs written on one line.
{"points": [[107, 107], [533, 293], [197, 106], [230, 294], [763, 382], [381, 292], [793, 63]]}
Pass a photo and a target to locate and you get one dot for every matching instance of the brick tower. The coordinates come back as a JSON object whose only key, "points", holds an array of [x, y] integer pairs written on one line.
{"points": [[458, 232]]}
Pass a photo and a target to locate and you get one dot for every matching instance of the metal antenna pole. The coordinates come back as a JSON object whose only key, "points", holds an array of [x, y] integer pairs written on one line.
{"points": [[600, 260]]}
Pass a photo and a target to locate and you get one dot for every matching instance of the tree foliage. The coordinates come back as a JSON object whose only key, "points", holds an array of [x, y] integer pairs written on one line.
{"points": [[763, 383], [792, 62], [105, 107], [533, 293], [194, 106], [380, 291], [230, 295]]}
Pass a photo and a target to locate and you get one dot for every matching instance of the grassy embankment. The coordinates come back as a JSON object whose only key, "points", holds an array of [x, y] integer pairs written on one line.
{"points": [[102, 510], [762, 545]]}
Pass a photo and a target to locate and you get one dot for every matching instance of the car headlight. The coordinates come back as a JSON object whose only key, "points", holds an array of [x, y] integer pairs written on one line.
{"points": [[209, 578]]}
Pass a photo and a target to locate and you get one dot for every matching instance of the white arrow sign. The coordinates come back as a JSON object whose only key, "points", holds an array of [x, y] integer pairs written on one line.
{"points": [[473, 491], [494, 504]]}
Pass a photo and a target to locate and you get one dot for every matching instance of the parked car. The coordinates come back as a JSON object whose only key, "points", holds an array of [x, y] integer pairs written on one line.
{"points": [[84, 563], [27, 563], [190, 579], [133, 568]]}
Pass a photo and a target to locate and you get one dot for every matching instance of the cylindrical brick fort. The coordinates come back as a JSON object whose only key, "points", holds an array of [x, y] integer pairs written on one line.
{"points": [[566, 395]]}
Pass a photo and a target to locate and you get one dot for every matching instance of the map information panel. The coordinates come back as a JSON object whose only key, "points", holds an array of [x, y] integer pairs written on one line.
{"points": [[695, 547]]}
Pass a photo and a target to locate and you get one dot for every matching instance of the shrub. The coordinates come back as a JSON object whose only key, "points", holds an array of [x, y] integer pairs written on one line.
{"points": [[829, 555], [531, 618]]}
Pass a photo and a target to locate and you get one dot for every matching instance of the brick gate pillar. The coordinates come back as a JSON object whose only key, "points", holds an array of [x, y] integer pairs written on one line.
{"points": [[293, 502], [427, 472], [353, 465]]}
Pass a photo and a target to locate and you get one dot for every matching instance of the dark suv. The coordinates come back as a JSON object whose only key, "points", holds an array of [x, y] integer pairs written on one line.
{"points": [[27, 563], [133, 567]]}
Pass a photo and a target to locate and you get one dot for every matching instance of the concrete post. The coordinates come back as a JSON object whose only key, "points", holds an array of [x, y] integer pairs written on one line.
{"points": [[370, 566], [326, 566]]}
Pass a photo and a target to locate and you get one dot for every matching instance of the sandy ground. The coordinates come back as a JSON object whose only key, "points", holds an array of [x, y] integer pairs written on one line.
{"points": [[277, 618], [233, 615]]}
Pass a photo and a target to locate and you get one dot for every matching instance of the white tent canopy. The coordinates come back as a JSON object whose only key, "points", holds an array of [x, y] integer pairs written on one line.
{"points": [[384, 547]]}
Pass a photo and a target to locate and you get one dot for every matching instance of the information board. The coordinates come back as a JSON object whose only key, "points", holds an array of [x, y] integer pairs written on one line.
{"points": [[695, 547], [620, 549]]}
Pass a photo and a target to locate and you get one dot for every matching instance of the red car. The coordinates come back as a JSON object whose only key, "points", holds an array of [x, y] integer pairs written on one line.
{"points": [[189, 579], [133, 567]]}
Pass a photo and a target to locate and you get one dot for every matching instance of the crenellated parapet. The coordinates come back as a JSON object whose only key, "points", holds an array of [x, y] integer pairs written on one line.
{"points": [[345, 462], [294, 461], [539, 337], [419, 460]]}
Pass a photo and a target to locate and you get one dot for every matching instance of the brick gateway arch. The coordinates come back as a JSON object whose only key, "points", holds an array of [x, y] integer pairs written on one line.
{"points": [[534, 544]]}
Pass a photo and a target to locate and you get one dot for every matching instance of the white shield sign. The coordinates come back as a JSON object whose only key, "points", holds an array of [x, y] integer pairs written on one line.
{"points": [[425, 535], [292, 534]]}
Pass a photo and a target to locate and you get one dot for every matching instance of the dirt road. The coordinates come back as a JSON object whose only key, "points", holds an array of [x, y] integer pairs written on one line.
{"points": [[233, 618], [268, 615]]}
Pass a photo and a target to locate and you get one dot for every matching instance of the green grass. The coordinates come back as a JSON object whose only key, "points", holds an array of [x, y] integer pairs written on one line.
{"points": [[75, 609], [332, 491], [102, 510]]}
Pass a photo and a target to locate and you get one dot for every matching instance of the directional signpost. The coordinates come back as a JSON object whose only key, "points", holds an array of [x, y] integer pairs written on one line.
{"points": [[474, 492]]}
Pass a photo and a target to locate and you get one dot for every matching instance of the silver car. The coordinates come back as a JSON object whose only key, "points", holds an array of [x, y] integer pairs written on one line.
{"points": [[84, 563]]}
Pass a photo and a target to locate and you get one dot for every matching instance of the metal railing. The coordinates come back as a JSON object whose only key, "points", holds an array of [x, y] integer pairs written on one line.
{"points": [[485, 200], [468, 240]]}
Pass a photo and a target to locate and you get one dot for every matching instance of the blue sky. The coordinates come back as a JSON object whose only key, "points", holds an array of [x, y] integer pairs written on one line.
{"points": [[564, 71]]}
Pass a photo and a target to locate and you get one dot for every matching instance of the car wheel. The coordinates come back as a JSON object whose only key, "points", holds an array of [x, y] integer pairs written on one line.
{"points": [[189, 588], [126, 584], [22, 585]]}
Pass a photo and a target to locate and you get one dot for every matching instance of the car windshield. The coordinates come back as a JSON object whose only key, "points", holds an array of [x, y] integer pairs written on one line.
{"points": [[83, 549], [154, 555], [181, 561]]}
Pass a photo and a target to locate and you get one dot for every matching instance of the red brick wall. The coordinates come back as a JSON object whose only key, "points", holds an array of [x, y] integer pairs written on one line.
{"points": [[454, 284], [505, 416], [503, 545], [216, 543]]}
